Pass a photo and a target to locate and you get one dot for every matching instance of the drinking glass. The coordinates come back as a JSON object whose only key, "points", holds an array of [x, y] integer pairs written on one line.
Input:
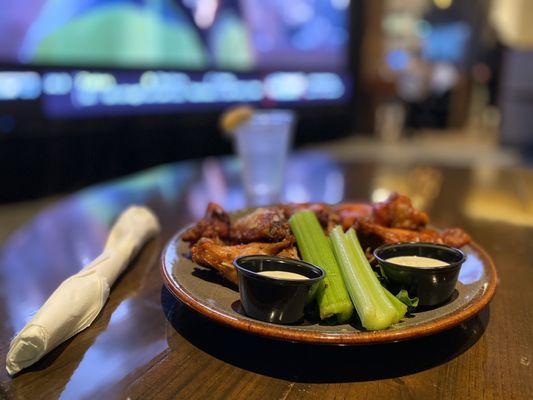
{"points": [[262, 143]]}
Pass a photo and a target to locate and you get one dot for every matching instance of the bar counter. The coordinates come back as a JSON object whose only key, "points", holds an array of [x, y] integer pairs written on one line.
{"points": [[146, 344]]}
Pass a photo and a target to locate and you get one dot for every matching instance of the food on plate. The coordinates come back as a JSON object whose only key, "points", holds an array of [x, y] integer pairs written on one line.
{"points": [[266, 224], [455, 237], [218, 255], [417, 261], [398, 212], [427, 271], [325, 213], [215, 224], [289, 252], [332, 298], [279, 300], [374, 235], [352, 213], [355, 230], [392, 221], [283, 275], [376, 307]]}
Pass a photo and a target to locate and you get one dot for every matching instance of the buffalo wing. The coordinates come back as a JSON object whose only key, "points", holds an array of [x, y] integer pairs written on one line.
{"points": [[215, 241], [262, 225], [215, 224], [218, 255], [398, 212], [325, 214], [374, 235], [352, 213]]}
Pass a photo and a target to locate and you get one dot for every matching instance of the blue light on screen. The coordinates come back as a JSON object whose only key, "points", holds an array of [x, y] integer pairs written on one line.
{"points": [[178, 34], [65, 92], [57, 83], [169, 55], [325, 86], [23, 85], [286, 86]]}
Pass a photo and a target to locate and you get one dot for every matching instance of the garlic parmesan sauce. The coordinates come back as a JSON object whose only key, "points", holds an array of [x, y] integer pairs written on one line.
{"points": [[416, 261], [283, 275]]}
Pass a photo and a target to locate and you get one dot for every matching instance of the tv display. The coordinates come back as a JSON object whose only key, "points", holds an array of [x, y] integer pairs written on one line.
{"points": [[93, 58], [95, 89]]}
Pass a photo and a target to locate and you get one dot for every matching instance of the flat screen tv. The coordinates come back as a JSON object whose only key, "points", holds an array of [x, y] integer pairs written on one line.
{"points": [[79, 75]]}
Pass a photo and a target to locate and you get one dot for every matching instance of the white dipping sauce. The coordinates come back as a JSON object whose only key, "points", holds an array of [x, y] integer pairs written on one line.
{"points": [[416, 261], [283, 275]]}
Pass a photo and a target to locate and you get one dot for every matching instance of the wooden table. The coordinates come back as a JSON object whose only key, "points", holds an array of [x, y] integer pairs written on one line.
{"points": [[146, 344]]}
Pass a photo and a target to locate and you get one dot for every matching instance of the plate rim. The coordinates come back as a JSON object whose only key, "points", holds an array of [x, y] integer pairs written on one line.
{"points": [[279, 332]]}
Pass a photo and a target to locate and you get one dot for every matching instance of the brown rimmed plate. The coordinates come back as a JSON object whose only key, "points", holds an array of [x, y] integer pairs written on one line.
{"points": [[201, 289]]}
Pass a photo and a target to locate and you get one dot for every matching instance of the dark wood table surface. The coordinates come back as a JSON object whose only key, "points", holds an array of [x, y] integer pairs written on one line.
{"points": [[146, 344]]}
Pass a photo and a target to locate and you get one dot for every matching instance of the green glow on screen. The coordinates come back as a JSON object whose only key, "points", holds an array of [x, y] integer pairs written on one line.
{"points": [[123, 35]]}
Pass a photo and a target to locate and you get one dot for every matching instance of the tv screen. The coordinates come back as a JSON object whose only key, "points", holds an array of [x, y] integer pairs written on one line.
{"points": [[93, 58]]}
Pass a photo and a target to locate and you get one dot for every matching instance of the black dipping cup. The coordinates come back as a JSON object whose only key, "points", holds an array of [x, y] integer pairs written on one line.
{"points": [[279, 301], [432, 286]]}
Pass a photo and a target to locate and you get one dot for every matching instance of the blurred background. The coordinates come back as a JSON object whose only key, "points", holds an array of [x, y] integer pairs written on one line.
{"points": [[92, 89]]}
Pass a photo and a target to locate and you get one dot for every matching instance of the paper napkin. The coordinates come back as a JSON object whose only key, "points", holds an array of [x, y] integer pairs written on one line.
{"points": [[78, 300]]}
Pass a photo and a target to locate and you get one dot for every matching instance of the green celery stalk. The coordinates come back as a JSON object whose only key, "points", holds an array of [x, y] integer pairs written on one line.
{"points": [[363, 302], [332, 298], [372, 279], [373, 306]]}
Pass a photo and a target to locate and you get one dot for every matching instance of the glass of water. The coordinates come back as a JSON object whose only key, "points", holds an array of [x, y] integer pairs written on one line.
{"points": [[262, 143]]}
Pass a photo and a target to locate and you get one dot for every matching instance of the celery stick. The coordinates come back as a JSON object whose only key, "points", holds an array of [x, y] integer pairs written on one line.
{"points": [[374, 308], [361, 299], [375, 314], [385, 305], [314, 246]]}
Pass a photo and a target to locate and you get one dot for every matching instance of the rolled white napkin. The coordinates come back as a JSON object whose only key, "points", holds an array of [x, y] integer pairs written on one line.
{"points": [[78, 300]]}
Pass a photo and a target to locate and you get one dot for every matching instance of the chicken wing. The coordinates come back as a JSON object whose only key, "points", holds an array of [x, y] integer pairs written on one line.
{"points": [[267, 224], [290, 252], [374, 235], [398, 212], [215, 254], [352, 213], [325, 214], [215, 242], [215, 224], [455, 237]]}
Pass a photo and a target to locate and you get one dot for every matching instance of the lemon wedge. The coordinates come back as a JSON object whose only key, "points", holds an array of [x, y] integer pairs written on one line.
{"points": [[235, 116]]}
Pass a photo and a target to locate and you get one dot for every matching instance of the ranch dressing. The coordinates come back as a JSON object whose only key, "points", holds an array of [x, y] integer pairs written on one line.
{"points": [[283, 275], [416, 261]]}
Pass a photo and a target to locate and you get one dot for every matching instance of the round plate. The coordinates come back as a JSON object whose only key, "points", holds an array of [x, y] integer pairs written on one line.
{"points": [[204, 291]]}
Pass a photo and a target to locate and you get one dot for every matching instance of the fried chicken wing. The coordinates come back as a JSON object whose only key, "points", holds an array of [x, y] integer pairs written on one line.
{"points": [[352, 213], [325, 214], [398, 212], [374, 235], [456, 237], [267, 224], [290, 252], [215, 254], [215, 224], [215, 242]]}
